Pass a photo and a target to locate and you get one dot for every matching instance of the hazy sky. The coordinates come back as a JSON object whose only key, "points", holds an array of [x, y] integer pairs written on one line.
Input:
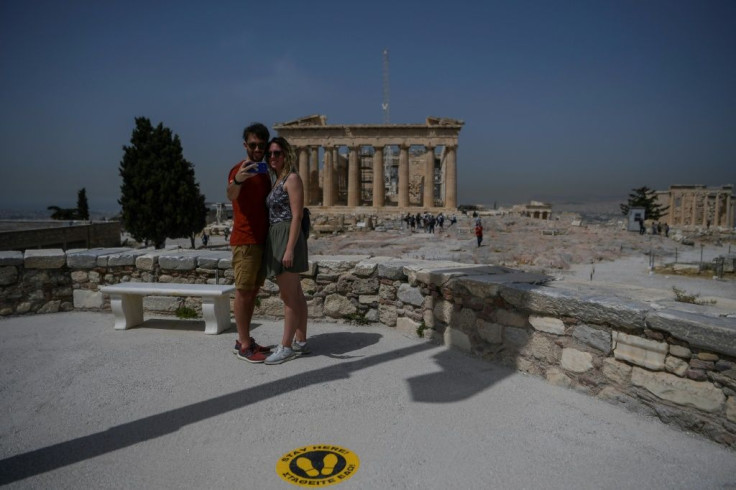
{"points": [[561, 99]]}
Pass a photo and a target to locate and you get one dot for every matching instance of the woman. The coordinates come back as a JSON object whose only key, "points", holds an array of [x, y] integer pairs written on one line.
{"points": [[286, 249]]}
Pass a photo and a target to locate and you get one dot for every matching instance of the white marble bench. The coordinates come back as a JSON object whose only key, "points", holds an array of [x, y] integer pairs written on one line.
{"points": [[126, 301]]}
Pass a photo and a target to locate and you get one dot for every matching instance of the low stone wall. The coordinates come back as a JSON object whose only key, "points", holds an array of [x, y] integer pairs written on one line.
{"points": [[38, 234], [676, 363]]}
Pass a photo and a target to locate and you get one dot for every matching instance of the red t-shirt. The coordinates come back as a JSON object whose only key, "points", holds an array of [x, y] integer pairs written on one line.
{"points": [[250, 215]]}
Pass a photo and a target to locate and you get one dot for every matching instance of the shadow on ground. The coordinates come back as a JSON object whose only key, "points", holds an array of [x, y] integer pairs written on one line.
{"points": [[454, 382]]}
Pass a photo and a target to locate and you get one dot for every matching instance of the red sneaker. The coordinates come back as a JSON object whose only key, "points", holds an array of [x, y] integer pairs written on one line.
{"points": [[251, 355], [254, 344]]}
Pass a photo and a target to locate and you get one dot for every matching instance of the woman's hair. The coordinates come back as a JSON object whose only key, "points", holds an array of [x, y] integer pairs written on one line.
{"points": [[288, 155]]}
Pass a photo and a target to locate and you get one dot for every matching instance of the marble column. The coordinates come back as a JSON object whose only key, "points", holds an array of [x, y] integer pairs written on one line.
{"points": [[429, 178], [379, 197], [403, 176], [353, 178], [328, 198], [335, 173], [313, 176], [304, 170], [451, 177]]}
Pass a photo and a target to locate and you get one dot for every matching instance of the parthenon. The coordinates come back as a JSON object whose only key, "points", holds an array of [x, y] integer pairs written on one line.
{"points": [[397, 166]]}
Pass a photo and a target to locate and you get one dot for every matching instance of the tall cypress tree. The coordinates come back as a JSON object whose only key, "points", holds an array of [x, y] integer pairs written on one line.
{"points": [[159, 195], [82, 204], [644, 197]]}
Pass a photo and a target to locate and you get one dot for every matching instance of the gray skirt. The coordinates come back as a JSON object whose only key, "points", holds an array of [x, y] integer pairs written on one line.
{"points": [[278, 237]]}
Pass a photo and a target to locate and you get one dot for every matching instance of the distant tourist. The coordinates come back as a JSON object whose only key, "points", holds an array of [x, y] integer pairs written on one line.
{"points": [[666, 230], [453, 220], [479, 233], [248, 190], [286, 249], [205, 239]]}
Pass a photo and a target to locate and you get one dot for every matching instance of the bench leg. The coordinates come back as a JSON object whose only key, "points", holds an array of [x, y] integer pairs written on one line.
{"points": [[127, 310], [216, 314]]}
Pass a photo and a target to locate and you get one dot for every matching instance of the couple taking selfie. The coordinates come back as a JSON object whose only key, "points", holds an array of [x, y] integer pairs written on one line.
{"points": [[267, 241]]}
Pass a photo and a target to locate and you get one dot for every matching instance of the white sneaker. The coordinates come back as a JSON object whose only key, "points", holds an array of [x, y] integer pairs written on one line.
{"points": [[281, 354], [300, 348]]}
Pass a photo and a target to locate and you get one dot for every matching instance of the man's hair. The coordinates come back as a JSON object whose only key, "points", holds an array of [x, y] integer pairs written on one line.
{"points": [[258, 130]]}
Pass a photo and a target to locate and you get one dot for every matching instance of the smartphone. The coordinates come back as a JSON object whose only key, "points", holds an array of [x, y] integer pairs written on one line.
{"points": [[261, 168]]}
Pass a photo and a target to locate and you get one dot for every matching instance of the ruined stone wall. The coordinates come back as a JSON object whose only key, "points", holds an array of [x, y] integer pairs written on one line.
{"points": [[656, 359]]}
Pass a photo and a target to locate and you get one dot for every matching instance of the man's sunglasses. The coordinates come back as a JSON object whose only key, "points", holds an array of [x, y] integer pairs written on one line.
{"points": [[260, 146], [275, 154]]}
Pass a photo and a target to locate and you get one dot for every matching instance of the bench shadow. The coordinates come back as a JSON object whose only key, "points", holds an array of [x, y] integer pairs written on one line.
{"points": [[171, 324], [452, 384]]}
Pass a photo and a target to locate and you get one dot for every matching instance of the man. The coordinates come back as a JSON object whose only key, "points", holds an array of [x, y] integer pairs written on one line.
{"points": [[248, 190]]}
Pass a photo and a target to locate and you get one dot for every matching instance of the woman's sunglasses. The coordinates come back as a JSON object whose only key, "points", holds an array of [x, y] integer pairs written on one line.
{"points": [[275, 154]]}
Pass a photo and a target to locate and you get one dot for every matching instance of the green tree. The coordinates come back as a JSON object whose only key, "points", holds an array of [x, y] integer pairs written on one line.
{"points": [[160, 197], [644, 197], [82, 205]]}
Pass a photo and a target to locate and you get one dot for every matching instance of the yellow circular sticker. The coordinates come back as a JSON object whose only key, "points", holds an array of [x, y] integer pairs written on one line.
{"points": [[320, 465]]}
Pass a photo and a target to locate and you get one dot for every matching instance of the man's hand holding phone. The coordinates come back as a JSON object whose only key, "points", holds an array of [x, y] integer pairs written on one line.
{"points": [[250, 169]]}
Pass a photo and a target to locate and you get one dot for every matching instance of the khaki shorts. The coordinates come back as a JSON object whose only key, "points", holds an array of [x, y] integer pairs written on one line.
{"points": [[248, 267]]}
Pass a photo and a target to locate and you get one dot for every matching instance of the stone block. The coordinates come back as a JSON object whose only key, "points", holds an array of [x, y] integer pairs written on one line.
{"points": [[84, 298], [463, 320], [490, 332], [365, 286], [23, 307], [543, 348], [597, 309], [368, 299], [618, 372], [272, 306], [636, 350], [8, 275], [146, 262], [457, 339], [407, 326], [410, 295], [547, 324], [510, 318], [365, 269], [80, 276], [372, 315], [675, 365], [593, 337], [680, 351], [707, 356], [86, 259], [337, 306], [443, 310], [336, 264], [386, 292], [516, 337], [207, 262], [11, 257], [556, 377], [50, 307], [388, 315], [227, 263], [52, 258], [393, 270], [684, 392], [726, 378], [428, 317], [576, 361], [715, 334], [178, 262], [731, 409]]}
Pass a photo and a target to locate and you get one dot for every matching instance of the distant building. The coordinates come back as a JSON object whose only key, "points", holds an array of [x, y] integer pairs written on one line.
{"points": [[534, 209], [698, 206]]}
